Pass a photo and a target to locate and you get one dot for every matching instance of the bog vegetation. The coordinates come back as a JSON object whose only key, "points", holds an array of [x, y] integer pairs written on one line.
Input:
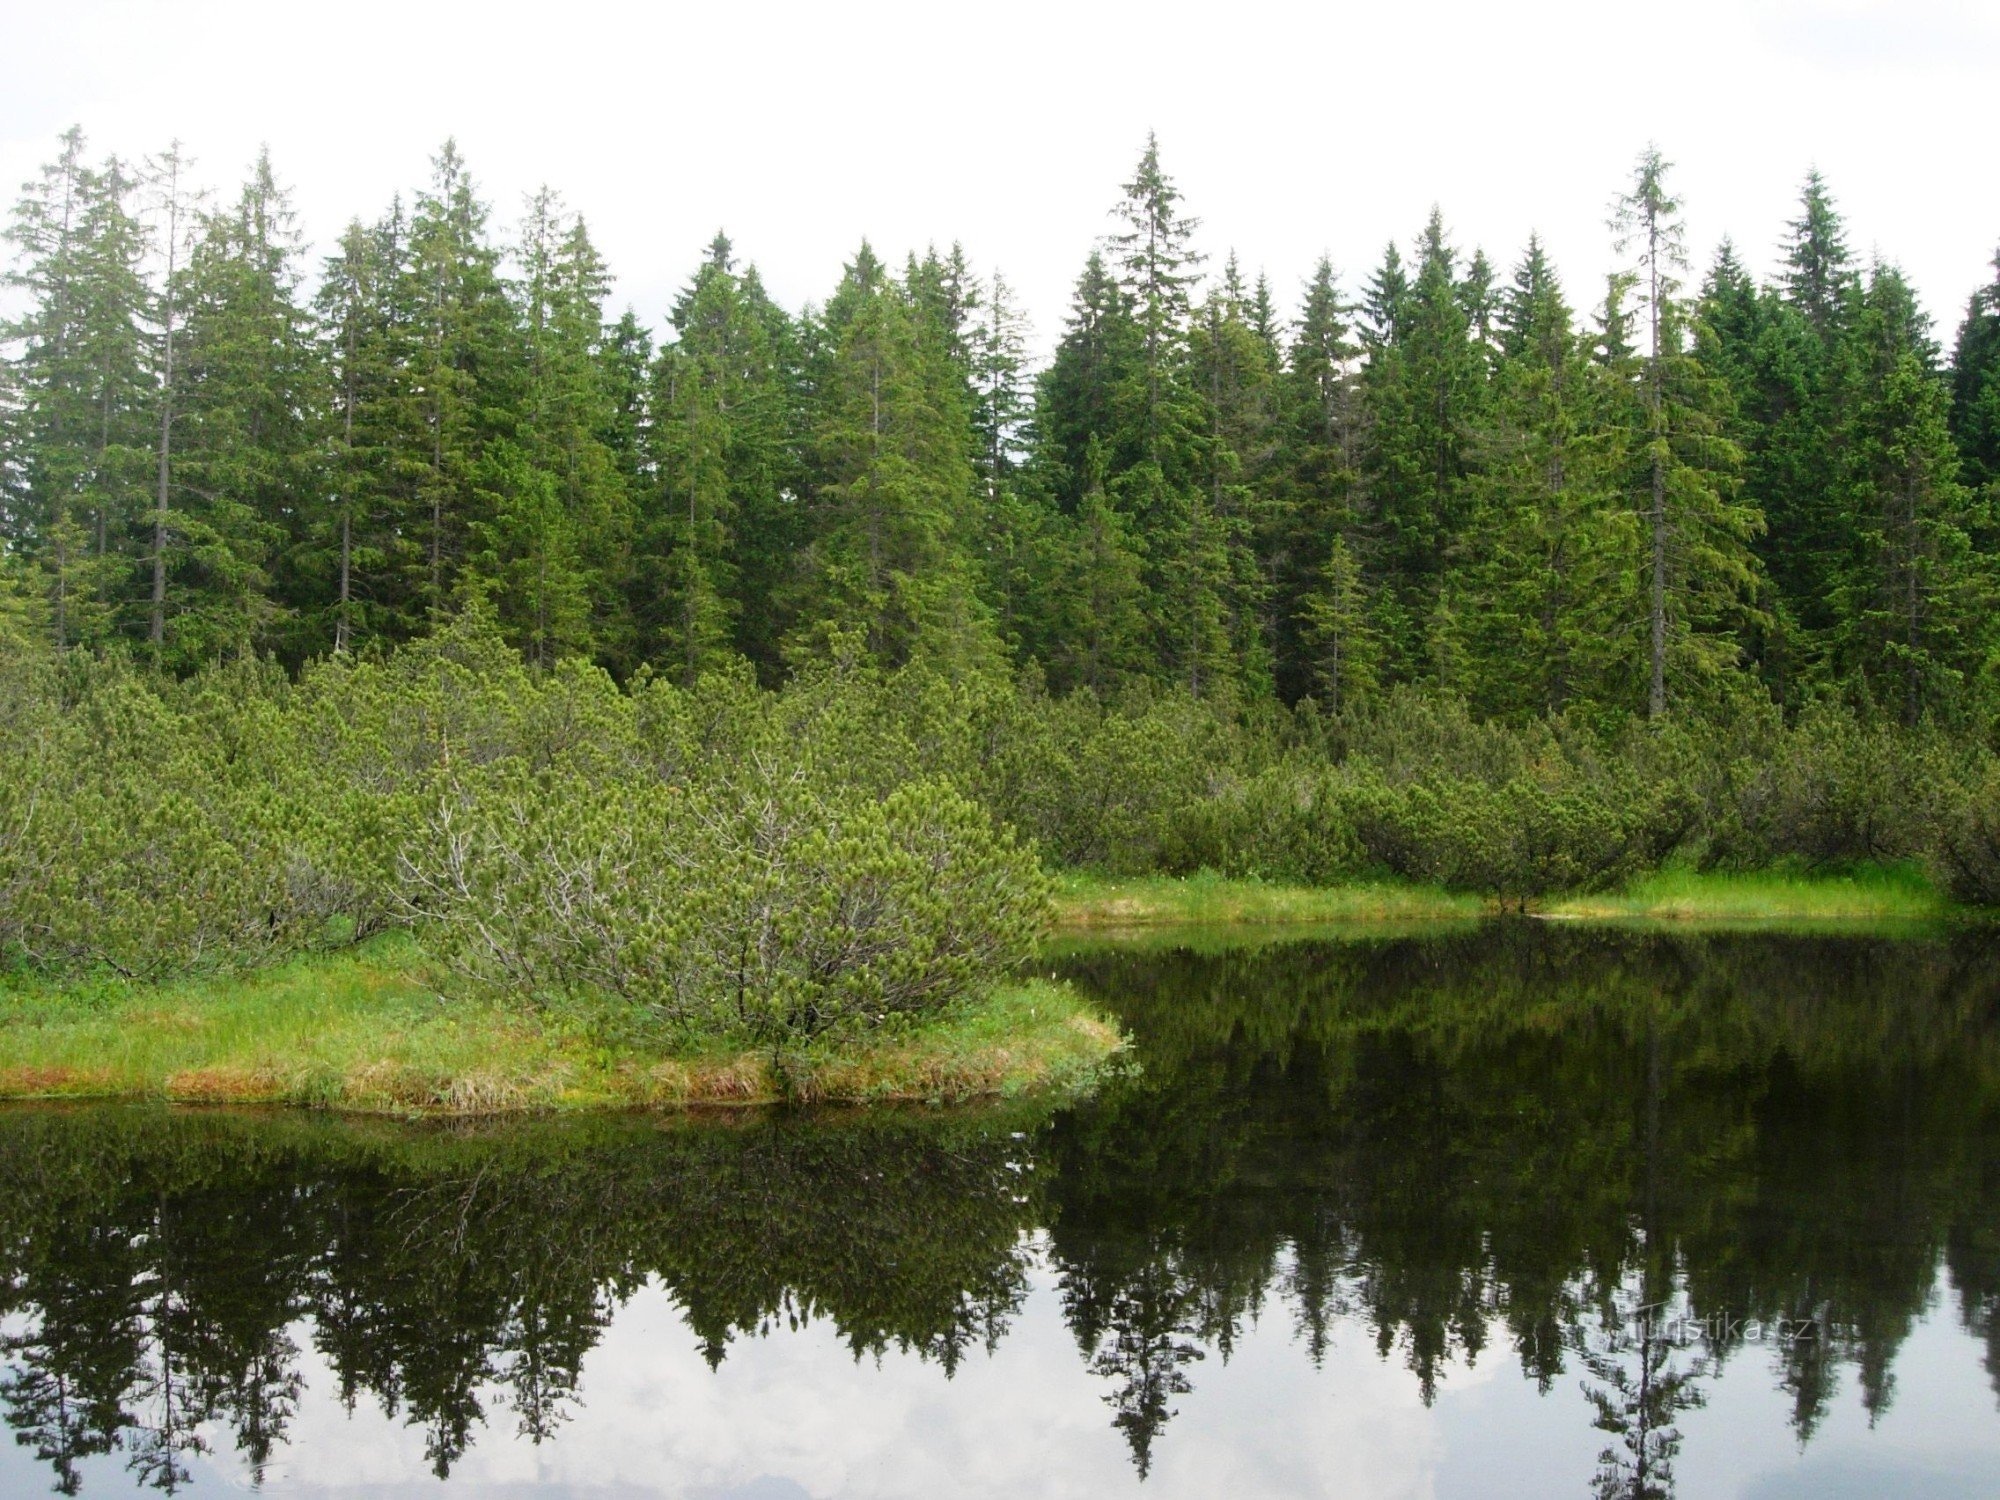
{"points": [[757, 676]]}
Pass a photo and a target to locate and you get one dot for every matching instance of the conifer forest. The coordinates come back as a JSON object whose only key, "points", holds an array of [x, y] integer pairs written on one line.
{"points": [[1437, 569]]}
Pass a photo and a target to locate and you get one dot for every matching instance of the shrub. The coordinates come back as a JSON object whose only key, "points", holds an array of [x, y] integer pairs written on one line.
{"points": [[1969, 852], [1833, 790], [769, 917]]}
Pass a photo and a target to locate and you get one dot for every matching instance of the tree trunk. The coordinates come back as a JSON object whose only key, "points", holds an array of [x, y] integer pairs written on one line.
{"points": [[157, 625], [1656, 696]]}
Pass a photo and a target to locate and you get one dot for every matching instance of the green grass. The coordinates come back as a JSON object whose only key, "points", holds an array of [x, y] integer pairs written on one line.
{"points": [[367, 1031], [1088, 901], [1086, 904], [1900, 892]]}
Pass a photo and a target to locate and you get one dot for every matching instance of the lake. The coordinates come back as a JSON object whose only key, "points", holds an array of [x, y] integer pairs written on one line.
{"points": [[1505, 1209]]}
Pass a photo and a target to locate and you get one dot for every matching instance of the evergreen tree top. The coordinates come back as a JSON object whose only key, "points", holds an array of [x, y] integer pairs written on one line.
{"points": [[1385, 300], [1156, 258], [1819, 278]]}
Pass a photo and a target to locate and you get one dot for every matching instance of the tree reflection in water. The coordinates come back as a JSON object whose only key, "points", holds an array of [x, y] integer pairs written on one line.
{"points": [[1622, 1158]]}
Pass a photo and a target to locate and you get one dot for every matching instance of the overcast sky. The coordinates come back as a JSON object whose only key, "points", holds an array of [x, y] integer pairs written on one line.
{"points": [[1293, 129]]}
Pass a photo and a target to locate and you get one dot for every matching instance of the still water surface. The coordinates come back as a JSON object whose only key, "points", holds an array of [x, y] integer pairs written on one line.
{"points": [[1512, 1209]]}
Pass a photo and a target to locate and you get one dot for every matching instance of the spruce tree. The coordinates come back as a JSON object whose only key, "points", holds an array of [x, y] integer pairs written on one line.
{"points": [[357, 552], [1915, 598], [889, 560], [1975, 388], [465, 365], [1425, 388], [1340, 642], [715, 554], [1319, 420], [177, 205], [1819, 277], [79, 393], [1811, 382], [1234, 377], [1077, 396], [1385, 300], [1002, 392], [556, 537], [1016, 520], [1538, 614], [247, 415], [1167, 492], [1700, 578], [1763, 349]]}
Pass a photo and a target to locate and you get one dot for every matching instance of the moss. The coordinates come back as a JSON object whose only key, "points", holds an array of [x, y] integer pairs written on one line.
{"points": [[365, 1031]]}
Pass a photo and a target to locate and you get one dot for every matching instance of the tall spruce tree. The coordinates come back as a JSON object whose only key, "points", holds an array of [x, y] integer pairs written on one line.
{"points": [[1077, 397], [1425, 386], [1915, 599], [890, 558], [356, 552], [1975, 388], [1319, 419], [1234, 376], [249, 391], [79, 393], [1015, 524], [1700, 577], [718, 536], [177, 206], [465, 366], [1002, 392], [1551, 547], [1167, 490], [1765, 352], [1819, 275], [689, 544], [556, 533]]}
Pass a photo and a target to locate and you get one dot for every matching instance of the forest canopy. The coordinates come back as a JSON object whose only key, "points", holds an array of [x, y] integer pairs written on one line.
{"points": [[1682, 488]]}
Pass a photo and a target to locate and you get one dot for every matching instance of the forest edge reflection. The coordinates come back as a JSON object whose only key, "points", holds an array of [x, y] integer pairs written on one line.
{"points": [[1615, 1153]]}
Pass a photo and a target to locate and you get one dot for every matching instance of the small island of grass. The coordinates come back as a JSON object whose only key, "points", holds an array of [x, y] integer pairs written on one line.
{"points": [[366, 1031]]}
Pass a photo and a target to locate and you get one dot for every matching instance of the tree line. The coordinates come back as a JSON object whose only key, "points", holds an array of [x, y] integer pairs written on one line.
{"points": [[1704, 493]]}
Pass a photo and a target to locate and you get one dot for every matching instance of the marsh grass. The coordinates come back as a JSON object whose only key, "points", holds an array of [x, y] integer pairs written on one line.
{"points": [[1865, 892], [1086, 901], [367, 1031], [1087, 904]]}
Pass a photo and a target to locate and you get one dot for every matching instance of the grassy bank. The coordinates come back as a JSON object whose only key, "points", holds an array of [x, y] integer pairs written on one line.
{"points": [[1087, 901], [1886, 892], [1894, 892], [364, 1031]]}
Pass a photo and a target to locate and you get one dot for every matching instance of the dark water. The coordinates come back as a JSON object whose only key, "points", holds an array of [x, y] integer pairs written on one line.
{"points": [[1513, 1210]]}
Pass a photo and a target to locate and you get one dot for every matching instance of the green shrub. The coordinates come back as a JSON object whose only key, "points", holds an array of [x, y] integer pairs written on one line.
{"points": [[773, 916], [1969, 852], [1834, 790]]}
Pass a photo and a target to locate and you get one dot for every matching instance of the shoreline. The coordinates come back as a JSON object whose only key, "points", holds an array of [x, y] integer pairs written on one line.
{"points": [[363, 1032], [1086, 904]]}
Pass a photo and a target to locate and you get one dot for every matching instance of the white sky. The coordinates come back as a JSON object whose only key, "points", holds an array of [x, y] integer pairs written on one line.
{"points": [[1292, 129]]}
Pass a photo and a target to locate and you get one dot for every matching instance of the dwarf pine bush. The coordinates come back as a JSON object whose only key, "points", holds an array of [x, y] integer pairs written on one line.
{"points": [[856, 847]]}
